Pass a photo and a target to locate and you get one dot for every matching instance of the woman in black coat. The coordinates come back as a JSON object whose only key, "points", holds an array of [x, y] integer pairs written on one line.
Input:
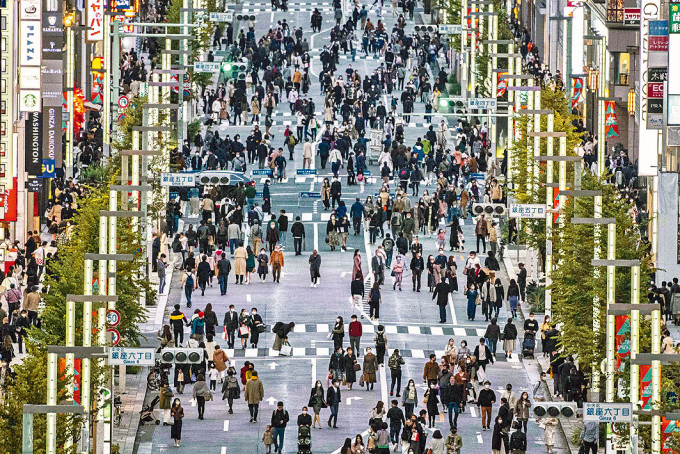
{"points": [[498, 436], [454, 228], [350, 371]]}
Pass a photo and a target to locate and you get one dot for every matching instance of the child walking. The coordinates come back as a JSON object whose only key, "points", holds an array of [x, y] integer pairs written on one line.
{"points": [[268, 439]]}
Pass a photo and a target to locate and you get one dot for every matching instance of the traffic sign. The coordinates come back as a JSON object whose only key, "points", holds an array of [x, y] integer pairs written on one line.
{"points": [[527, 210], [123, 102], [450, 29], [227, 16], [482, 103], [206, 67], [112, 318], [115, 336], [310, 195], [306, 171], [267, 172], [121, 117], [126, 356], [607, 412]]}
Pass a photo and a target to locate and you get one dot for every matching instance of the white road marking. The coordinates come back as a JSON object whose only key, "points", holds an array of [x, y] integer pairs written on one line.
{"points": [[413, 329], [473, 411], [250, 353], [480, 440], [391, 329], [306, 217], [454, 320], [224, 450], [459, 332], [299, 351], [316, 236], [313, 372], [481, 332], [248, 297], [226, 426], [417, 354], [437, 331], [321, 328], [301, 328], [325, 216]]}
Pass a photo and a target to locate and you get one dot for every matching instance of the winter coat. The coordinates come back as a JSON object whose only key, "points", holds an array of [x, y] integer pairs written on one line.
{"points": [[370, 368], [240, 257], [254, 391], [220, 359]]}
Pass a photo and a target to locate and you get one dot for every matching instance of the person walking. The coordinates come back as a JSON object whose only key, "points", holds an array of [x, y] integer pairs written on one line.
{"points": [[315, 267], [279, 421], [351, 367], [189, 284], [178, 321], [398, 270], [378, 266], [355, 332], [245, 323], [396, 418], [410, 398], [297, 230], [471, 293], [254, 395], [380, 340], [442, 292], [522, 407], [201, 393], [370, 369], [509, 337], [333, 399], [513, 297], [454, 442], [590, 437], [262, 265], [417, 266], [177, 414], [338, 333], [204, 273], [240, 263], [161, 265], [549, 426], [497, 438], [276, 261], [374, 301], [223, 270], [317, 400], [336, 365], [492, 334], [231, 389], [432, 402], [394, 363], [485, 401]]}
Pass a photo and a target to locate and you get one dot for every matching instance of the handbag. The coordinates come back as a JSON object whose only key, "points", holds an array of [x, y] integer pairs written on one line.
{"points": [[478, 301], [361, 380], [261, 328], [244, 330], [357, 367], [286, 350], [224, 334]]}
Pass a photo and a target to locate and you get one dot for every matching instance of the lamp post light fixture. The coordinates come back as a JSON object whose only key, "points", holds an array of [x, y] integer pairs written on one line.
{"points": [[632, 102], [593, 78]]}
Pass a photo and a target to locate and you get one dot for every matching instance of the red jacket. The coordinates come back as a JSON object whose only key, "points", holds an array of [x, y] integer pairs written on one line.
{"points": [[355, 329]]}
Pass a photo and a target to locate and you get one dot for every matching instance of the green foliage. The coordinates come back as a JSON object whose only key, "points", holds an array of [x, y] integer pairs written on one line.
{"points": [[192, 129], [577, 288], [93, 175], [536, 297]]}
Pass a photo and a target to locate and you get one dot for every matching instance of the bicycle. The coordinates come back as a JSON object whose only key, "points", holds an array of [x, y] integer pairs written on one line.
{"points": [[117, 412]]}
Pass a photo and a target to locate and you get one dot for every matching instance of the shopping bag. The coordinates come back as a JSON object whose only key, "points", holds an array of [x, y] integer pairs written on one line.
{"points": [[361, 380], [244, 330], [286, 350], [481, 375], [224, 334]]}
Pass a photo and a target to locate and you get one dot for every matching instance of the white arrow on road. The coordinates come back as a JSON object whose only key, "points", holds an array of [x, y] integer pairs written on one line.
{"points": [[344, 273], [272, 366], [271, 401], [349, 400]]}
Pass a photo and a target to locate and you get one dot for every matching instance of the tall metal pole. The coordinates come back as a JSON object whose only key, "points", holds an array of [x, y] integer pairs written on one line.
{"points": [[549, 198], [115, 69], [595, 388], [463, 50], [656, 381], [473, 60], [86, 368], [603, 93], [611, 319], [51, 446], [70, 86], [106, 98], [634, 348]]}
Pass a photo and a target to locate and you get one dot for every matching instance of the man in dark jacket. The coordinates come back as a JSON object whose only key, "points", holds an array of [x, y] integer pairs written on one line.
{"points": [[396, 418], [231, 324], [178, 321], [356, 212], [522, 281], [336, 191], [417, 265], [333, 399], [485, 400], [279, 421], [298, 232], [223, 270], [483, 354], [283, 227], [441, 292]]}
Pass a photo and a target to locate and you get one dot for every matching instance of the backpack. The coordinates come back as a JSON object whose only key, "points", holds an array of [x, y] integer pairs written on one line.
{"points": [[517, 440], [381, 340], [374, 297], [190, 281]]}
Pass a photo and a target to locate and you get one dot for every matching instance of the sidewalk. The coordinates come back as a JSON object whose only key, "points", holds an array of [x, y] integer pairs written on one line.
{"points": [[132, 401], [540, 364]]}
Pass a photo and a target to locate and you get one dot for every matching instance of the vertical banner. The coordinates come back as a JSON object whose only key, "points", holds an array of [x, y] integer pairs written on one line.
{"points": [[611, 124], [647, 138], [8, 203], [502, 85], [576, 91], [622, 340], [667, 428], [646, 387], [30, 49], [95, 20], [33, 136], [97, 88], [52, 134]]}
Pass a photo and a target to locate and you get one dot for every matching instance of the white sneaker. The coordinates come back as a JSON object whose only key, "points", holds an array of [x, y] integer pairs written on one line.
{"points": [[311, 285]]}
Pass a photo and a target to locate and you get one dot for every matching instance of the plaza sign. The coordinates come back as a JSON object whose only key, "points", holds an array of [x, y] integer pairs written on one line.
{"points": [[607, 412], [126, 356], [527, 210], [450, 29], [482, 103], [178, 179], [206, 67]]}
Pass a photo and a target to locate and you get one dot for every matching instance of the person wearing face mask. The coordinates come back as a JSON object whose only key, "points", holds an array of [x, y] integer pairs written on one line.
{"points": [[531, 325], [471, 293], [370, 369], [546, 327], [230, 325], [463, 352], [304, 422], [333, 399], [257, 324], [509, 337], [497, 438], [338, 333], [410, 398], [463, 378], [485, 401], [432, 401], [317, 400]]}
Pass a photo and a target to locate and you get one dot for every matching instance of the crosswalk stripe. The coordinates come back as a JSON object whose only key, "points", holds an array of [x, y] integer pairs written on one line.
{"points": [[306, 216], [324, 352]]}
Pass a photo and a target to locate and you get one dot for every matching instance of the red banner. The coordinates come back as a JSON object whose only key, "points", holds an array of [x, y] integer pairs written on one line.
{"points": [[8, 203], [502, 85], [576, 91], [667, 428], [611, 124], [76, 377]]}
